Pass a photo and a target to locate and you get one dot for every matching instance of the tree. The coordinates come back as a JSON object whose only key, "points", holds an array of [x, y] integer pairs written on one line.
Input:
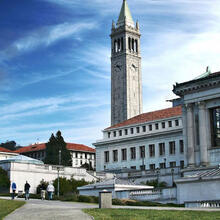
{"points": [[53, 147], [10, 145], [4, 180]]}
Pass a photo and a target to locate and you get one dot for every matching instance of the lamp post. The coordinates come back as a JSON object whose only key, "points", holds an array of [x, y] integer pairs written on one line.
{"points": [[143, 155], [158, 173], [58, 168], [172, 172]]}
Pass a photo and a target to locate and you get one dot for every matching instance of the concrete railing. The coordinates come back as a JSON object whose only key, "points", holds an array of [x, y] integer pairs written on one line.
{"points": [[145, 195], [203, 204]]}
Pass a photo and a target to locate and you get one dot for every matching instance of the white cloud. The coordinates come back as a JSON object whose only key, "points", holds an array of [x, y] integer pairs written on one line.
{"points": [[49, 35]]}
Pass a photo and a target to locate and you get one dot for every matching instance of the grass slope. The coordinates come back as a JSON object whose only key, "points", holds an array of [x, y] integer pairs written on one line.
{"points": [[8, 206], [136, 214]]}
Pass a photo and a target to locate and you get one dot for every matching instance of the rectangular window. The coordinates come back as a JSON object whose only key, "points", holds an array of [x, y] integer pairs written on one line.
{"points": [[124, 154], [152, 150], [126, 131], [142, 167], [162, 165], [142, 151], [182, 164], [115, 155], [181, 146], [173, 164], [114, 133], [177, 122], [106, 156], [162, 149], [109, 134], [76, 155], [150, 127], [172, 147], [133, 167], [170, 124], [215, 122], [163, 125], [137, 129], [144, 128], [152, 166], [133, 153], [120, 132], [132, 130], [156, 126]]}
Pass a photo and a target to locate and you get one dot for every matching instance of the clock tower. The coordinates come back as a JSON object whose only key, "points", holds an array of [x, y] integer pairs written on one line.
{"points": [[126, 83]]}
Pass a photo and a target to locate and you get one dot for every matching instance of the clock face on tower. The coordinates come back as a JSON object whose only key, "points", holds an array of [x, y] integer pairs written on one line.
{"points": [[118, 66], [134, 67]]}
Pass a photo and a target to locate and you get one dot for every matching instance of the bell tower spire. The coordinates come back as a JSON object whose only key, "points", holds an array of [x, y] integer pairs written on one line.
{"points": [[125, 16], [126, 83]]}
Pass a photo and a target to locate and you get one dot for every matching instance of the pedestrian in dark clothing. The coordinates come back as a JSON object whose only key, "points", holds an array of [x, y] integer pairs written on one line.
{"points": [[26, 189], [13, 187]]}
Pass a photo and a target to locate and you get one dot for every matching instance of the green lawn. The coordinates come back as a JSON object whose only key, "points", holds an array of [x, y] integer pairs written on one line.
{"points": [[135, 214], [8, 206]]}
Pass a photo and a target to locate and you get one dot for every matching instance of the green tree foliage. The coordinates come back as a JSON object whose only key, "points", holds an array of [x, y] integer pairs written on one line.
{"points": [[42, 186], [10, 145], [56, 144], [4, 180], [69, 186]]}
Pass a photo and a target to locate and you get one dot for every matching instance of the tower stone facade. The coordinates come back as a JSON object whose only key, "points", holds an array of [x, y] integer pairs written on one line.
{"points": [[126, 83]]}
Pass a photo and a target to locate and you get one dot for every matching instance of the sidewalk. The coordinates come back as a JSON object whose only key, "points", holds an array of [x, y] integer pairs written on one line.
{"points": [[35, 209]]}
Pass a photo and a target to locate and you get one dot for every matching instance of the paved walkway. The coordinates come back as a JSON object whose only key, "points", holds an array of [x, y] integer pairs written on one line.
{"points": [[36, 209], [50, 210]]}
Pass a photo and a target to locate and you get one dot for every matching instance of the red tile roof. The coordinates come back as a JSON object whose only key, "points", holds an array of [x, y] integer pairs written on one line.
{"points": [[2, 149], [70, 146], [151, 116]]}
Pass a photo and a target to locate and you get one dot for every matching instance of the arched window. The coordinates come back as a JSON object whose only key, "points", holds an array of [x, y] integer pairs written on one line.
{"points": [[136, 46], [115, 46], [122, 44], [132, 44], [119, 45], [129, 43]]}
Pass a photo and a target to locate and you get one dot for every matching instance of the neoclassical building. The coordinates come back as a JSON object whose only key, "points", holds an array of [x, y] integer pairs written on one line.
{"points": [[185, 135], [201, 118]]}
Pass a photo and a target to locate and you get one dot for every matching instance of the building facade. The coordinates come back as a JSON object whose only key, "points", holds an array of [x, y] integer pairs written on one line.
{"points": [[201, 118], [81, 154], [126, 86], [148, 141]]}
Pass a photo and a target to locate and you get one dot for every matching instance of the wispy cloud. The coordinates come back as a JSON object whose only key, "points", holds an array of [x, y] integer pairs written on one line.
{"points": [[46, 36]]}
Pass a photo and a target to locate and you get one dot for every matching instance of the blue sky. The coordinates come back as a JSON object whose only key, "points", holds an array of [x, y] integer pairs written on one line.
{"points": [[55, 61]]}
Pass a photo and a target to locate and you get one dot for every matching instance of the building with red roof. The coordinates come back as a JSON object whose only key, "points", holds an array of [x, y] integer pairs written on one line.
{"points": [[147, 141], [81, 154]]}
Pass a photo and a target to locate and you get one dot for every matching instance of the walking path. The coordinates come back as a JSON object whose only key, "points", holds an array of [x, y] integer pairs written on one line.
{"points": [[36, 209]]}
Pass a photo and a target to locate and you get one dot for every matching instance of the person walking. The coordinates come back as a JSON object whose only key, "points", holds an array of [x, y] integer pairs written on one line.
{"points": [[13, 187], [50, 190], [26, 189]]}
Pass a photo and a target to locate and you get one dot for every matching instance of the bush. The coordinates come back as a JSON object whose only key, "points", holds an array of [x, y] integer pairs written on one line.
{"points": [[87, 199], [155, 183], [4, 180], [69, 186], [42, 186]]}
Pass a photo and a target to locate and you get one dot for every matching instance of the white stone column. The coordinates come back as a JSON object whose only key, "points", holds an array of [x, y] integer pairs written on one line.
{"points": [[190, 135], [203, 138]]}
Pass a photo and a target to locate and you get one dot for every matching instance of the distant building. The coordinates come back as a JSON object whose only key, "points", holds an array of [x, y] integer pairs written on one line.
{"points": [[147, 141], [5, 153], [81, 154], [21, 169]]}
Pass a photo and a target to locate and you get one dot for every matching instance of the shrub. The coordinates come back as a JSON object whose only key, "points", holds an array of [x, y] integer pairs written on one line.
{"points": [[43, 185], [4, 180], [87, 199]]}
